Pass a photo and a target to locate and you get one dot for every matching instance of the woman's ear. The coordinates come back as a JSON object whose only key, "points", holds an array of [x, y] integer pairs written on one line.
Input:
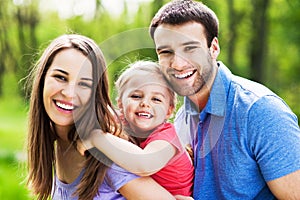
{"points": [[214, 48]]}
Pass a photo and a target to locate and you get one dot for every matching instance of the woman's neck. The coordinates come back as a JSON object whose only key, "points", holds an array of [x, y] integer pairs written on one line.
{"points": [[69, 162], [62, 132]]}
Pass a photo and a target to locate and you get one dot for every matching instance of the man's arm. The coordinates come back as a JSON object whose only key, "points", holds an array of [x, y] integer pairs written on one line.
{"points": [[286, 187]]}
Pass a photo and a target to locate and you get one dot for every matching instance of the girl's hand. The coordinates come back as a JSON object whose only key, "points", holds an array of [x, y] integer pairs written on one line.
{"points": [[86, 144], [81, 148]]}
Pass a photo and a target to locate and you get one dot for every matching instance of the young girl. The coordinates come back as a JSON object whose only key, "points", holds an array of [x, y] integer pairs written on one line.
{"points": [[145, 104], [69, 96]]}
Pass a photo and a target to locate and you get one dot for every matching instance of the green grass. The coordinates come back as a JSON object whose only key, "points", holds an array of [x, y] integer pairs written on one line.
{"points": [[13, 123], [12, 178]]}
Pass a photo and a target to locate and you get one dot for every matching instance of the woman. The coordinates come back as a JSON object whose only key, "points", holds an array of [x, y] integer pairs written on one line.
{"points": [[69, 97]]}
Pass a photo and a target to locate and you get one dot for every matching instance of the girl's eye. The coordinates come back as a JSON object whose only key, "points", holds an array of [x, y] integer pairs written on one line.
{"points": [[156, 99], [135, 96]]}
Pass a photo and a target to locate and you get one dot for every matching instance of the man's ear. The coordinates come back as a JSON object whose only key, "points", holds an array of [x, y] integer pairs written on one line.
{"points": [[214, 48]]}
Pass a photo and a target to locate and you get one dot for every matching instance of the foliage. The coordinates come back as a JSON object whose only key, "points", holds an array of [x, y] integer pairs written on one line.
{"points": [[26, 31], [12, 134]]}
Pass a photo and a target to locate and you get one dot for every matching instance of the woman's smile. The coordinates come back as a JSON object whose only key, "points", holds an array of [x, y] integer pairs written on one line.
{"points": [[64, 106]]}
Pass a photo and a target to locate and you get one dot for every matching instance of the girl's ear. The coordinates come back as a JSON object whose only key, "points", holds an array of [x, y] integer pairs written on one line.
{"points": [[170, 112], [120, 105]]}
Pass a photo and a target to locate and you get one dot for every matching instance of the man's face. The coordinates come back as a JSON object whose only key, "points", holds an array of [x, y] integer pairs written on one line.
{"points": [[186, 60]]}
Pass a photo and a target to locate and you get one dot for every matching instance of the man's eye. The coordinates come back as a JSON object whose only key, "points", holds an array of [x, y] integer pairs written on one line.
{"points": [[165, 52], [190, 48]]}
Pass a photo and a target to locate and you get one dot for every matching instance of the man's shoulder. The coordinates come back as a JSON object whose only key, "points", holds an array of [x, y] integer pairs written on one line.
{"points": [[249, 86], [241, 85]]}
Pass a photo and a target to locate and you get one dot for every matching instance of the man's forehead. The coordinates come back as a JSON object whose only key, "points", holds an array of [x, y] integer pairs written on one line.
{"points": [[166, 34]]}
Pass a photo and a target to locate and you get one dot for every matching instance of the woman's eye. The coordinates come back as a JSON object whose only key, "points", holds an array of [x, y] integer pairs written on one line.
{"points": [[60, 77], [86, 85]]}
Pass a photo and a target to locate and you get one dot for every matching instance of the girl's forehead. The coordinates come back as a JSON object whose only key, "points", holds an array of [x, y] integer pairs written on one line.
{"points": [[140, 78]]}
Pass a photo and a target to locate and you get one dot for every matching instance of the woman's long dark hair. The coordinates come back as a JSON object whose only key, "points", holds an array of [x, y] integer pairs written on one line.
{"points": [[41, 135]]}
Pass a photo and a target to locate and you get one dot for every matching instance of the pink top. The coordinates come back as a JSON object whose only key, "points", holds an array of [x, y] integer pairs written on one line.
{"points": [[177, 176]]}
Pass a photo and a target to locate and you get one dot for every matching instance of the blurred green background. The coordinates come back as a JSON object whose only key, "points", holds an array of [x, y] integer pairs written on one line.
{"points": [[259, 39]]}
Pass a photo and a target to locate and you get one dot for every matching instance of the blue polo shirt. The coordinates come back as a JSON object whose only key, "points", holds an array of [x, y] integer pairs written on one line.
{"points": [[244, 137]]}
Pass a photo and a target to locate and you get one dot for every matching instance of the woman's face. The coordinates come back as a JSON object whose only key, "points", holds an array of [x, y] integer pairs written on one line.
{"points": [[68, 87]]}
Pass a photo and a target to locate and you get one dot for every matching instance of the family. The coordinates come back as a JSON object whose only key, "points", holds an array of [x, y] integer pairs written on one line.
{"points": [[231, 139]]}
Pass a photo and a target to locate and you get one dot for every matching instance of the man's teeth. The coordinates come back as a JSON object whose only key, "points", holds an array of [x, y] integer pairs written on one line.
{"points": [[65, 106], [144, 115], [184, 75]]}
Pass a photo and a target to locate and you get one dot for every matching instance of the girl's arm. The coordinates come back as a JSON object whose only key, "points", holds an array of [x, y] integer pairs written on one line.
{"points": [[144, 188], [143, 162]]}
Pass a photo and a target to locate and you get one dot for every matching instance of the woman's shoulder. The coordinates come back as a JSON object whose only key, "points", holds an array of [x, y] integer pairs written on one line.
{"points": [[117, 174]]}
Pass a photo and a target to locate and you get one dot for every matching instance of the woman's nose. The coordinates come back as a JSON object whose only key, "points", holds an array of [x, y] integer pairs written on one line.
{"points": [[69, 90]]}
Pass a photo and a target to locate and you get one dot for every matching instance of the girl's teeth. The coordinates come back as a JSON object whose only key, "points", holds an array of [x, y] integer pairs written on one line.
{"points": [[144, 115]]}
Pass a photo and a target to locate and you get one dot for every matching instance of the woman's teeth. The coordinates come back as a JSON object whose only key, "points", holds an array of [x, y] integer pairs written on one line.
{"points": [[64, 106]]}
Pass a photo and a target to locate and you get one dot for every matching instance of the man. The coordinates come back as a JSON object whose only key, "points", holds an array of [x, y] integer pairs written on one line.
{"points": [[246, 140]]}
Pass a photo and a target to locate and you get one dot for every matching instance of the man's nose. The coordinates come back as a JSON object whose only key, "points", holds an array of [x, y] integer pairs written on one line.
{"points": [[179, 62]]}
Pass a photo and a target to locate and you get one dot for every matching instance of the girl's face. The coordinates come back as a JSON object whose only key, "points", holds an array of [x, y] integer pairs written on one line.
{"points": [[68, 86], [145, 103]]}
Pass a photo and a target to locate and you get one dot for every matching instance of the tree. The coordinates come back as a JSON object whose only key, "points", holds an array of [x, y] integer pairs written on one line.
{"points": [[258, 42], [27, 17], [234, 17]]}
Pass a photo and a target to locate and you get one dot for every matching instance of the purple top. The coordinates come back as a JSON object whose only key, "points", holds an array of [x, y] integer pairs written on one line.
{"points": [[115, 178]]}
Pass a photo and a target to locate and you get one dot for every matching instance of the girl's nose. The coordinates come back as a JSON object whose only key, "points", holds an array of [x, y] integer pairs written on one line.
{"points": [[144, 103]]}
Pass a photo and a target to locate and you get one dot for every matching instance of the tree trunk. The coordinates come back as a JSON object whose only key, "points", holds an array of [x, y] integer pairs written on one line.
{"points": [[259, 39], [232, 33]]}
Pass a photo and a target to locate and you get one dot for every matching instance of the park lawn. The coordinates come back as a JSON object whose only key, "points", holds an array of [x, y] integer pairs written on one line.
{"points": [[12, 176], [13, 123]]}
